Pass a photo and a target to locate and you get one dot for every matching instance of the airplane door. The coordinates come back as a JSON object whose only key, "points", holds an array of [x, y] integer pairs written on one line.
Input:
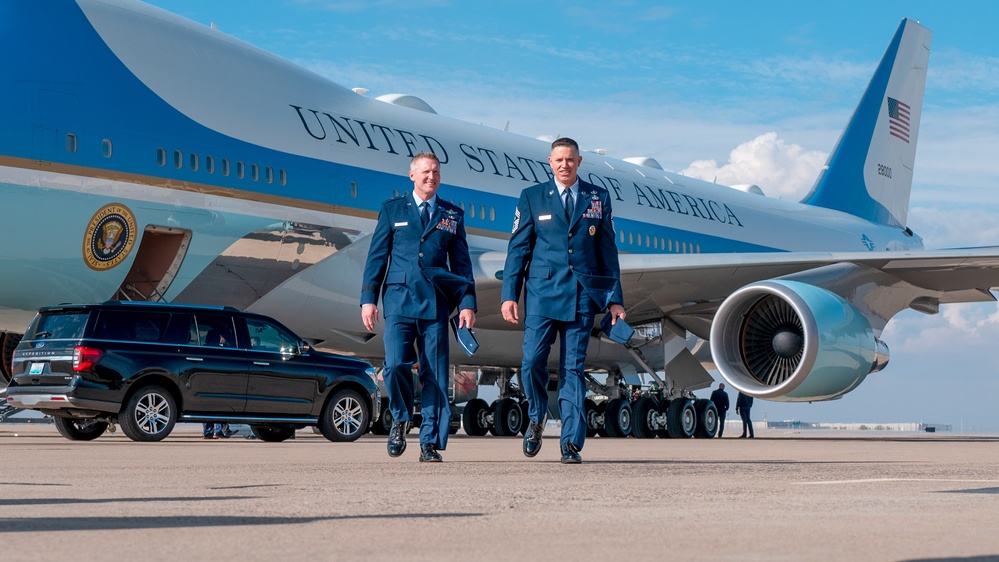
{"points": [[54, 135], [157, 260]]}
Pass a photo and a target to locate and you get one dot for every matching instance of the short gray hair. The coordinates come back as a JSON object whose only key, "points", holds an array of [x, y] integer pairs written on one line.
{"points": [[423, 156]]}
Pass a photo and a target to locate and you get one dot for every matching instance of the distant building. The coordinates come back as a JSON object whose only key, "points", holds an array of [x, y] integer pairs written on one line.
{"points": [[867, 426]]}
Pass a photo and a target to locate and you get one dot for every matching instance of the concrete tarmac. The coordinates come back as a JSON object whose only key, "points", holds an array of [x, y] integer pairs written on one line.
{"points": [[780, 496]]}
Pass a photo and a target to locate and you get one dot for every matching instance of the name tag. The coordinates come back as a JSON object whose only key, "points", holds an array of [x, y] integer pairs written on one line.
{"points": [[401, 224], [545, 218]]}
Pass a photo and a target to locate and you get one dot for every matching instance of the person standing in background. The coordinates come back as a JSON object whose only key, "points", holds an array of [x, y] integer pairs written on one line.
{"points": [[720, 399], [743, 404]]}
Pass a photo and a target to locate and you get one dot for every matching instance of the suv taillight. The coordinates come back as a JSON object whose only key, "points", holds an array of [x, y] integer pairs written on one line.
{"points": [[84, 358]]}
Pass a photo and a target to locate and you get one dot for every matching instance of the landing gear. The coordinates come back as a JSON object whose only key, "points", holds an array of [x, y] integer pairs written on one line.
{"points": [[384, 423], [707, 418], [617, 418], [475, 417], [593, 417], [681, 419], [506, 417], [8, 342], [646, 418]]}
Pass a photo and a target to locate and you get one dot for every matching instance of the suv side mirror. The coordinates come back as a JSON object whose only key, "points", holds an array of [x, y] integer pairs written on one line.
{"points": [[300, 349]]}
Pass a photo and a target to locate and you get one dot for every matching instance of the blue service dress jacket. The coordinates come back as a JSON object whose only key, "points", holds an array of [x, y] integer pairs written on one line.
{"points": [[412, 267], [549, 255]]}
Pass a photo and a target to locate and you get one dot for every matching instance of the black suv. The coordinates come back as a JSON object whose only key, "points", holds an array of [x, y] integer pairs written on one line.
{"points": [[146, 366]]}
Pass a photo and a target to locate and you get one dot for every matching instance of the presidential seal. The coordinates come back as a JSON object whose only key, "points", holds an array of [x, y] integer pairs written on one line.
{"points": [[110, 237]]}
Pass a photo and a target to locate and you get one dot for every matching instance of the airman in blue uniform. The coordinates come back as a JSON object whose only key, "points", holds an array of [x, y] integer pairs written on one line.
{"points": [[418, 261], [562, 251]]}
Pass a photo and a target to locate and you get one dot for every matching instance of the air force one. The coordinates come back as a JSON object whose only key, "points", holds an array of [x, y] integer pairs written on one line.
{"points": [[147, 157]]}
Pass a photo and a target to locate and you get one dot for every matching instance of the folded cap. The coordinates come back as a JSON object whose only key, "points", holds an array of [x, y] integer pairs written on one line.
{"points": [[465, 336], [620, 332]]}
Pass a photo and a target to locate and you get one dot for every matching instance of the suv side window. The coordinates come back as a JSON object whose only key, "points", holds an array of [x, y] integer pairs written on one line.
{"points": [[265, 336], [213, 330], [131, 325]]}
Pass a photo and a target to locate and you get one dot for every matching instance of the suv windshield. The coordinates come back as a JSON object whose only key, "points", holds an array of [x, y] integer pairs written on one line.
{"points": [[67, 324]]}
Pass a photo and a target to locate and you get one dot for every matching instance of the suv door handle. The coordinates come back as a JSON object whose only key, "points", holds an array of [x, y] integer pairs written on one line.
{"points": [[195, 359], [261, 363]]}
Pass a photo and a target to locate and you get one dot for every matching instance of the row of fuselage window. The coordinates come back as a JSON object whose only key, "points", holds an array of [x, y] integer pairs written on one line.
{"points": [[480, 211], [256, 173]]}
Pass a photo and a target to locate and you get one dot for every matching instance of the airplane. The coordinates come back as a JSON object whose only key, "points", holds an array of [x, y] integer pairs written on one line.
{"points": [[147, 157]]}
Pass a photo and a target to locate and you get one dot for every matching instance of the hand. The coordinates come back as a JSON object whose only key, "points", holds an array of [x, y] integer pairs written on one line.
{"points": [[509, 309], [369, 315], [617, 311], [466, 318]]}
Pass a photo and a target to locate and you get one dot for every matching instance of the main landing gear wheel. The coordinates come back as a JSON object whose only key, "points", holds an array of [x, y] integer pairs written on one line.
{"points": [[384, 423], [592, 416], [474, 417], [643, 412], [707, 418], [681, 419], [617, 418], [506, 417], [8, 342]]}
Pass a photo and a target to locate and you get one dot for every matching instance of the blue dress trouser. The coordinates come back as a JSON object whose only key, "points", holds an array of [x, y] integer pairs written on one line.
{"points": [[746, 422], [574, 338], [431, 340]]}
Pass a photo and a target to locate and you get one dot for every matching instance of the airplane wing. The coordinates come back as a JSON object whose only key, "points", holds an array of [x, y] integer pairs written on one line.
{"points": [[794, 326], [690, 287], [696, 284]]}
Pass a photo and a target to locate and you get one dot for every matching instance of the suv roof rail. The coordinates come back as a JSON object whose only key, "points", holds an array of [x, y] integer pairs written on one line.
{"points": [[172, 304]]}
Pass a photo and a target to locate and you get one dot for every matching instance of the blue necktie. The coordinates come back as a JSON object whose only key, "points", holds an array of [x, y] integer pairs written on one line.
{"points": [[568, 205], [424, 214]]}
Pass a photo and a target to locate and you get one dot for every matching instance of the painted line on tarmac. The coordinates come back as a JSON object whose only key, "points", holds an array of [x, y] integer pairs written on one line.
{"points": [[876, 480]]}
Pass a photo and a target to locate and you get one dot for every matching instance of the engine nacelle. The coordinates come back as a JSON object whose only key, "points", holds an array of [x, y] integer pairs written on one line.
{"points": [[793, 342]]}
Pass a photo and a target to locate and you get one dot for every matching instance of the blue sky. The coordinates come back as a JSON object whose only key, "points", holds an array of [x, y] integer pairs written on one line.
{"points": [[739, 91]]}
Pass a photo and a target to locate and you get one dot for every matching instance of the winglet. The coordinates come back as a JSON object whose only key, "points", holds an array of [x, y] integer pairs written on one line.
{"points": [[869, 173]]}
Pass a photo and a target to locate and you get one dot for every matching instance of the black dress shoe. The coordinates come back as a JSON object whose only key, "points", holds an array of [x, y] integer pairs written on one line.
{"points": [[570, 454], [428, 453], [532, 438], [397, 439]]}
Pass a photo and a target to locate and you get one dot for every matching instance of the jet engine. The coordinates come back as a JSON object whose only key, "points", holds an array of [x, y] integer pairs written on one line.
{"points": [[793, 342]]}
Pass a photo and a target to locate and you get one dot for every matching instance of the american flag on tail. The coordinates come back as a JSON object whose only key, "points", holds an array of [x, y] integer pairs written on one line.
{"points": [[898, 119]]}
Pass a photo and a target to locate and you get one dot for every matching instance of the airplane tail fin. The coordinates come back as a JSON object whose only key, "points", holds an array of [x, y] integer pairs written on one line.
{"points": [[869, 173]]}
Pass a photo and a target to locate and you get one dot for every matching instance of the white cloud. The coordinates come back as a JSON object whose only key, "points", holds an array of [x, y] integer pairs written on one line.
{"points": [[955, 228], [782, 170]]}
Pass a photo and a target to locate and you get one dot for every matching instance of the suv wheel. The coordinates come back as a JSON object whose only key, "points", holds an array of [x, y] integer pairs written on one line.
{"points": [[272, 433], [76, 429], [345, 416], [149, 414]]}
